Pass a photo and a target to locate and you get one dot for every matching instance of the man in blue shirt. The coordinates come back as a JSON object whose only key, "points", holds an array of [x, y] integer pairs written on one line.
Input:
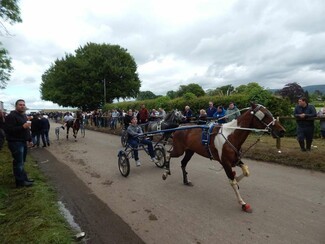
{"points": [[220, 115]]}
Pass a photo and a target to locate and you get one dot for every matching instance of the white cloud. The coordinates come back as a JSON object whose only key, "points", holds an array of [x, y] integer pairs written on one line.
{"points": [[174, 42]]}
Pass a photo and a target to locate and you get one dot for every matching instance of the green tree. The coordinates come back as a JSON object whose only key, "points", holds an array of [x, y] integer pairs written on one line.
{"points": [[146, 95], [221, 91], [196, 89], [226, 90], [189, 96], [79, 80], [163, 101], [255, 93], [9, 12], [171, 94], [5, 67]]}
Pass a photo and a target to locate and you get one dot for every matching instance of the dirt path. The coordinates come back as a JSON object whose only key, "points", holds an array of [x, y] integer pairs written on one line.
{"points": [[95, 218], [288, 203]]}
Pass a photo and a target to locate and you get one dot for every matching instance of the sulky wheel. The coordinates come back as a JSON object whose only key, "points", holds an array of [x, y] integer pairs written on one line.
{"points": [[123, 164], [124, 138], [160, 155]]}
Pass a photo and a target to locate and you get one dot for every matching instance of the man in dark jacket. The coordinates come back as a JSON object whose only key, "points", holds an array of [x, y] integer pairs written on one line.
{"points": [[143, 116], [17, 129], [127, 119], [36, 130], [305, 114], [211, 110], [45, 128]]}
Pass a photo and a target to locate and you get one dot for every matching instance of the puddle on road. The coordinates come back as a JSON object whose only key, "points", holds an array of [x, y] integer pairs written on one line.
{"points": [[69, 217]]}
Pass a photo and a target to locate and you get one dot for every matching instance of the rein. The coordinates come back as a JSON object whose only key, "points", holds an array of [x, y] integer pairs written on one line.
{"points": [[257, 113]]}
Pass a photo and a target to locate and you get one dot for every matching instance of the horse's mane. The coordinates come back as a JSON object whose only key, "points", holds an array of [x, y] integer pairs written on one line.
{"points": [[169, 115]]}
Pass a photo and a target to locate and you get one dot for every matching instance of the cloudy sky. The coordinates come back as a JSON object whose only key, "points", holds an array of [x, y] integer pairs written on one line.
{"points": [[174, 42]]}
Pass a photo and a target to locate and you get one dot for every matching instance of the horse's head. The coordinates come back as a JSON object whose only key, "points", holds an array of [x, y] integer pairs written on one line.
{"points": [[174, 116], [264, 120], [178, 116]]}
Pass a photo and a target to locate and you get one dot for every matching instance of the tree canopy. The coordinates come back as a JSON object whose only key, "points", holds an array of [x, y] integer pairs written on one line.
{"points": [[255, 92], [9, 12], [292, 91], [79, 80], [196, 89], [145, 95], [221, 91]]}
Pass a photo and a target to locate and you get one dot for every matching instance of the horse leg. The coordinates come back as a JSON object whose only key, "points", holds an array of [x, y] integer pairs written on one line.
{"points": [[75, 134], [174, 152], [68, 133], [245, 171], [187, 157], [234, 184], [167, 165]]}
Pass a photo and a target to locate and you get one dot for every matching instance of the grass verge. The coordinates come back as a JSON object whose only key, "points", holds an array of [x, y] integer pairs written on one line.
{"points": [[266, 150], [29, 215]]}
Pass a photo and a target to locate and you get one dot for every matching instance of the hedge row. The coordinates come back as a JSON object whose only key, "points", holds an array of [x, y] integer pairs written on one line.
{"points": [[277, 106]]}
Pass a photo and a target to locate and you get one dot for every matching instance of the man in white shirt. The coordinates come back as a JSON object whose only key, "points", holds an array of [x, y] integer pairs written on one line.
{"points": [[67, 118]]}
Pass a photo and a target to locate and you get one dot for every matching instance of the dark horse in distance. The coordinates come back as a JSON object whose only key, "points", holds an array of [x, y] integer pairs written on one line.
{"points": [[223, 143], [75, 125]]}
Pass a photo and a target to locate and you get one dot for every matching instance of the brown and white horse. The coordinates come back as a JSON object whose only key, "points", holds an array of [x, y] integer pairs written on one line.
{"points": [[224, 144]]}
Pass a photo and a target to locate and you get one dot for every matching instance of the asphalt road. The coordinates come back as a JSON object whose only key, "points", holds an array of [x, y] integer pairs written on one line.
{"points": [[288, 204]]}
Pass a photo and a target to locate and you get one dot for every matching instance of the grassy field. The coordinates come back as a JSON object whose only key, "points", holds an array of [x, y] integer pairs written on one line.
{"points": [[29, 215]]}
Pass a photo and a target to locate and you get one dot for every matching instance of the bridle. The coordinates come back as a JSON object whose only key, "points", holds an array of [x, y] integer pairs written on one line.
{"points": [[260, 115]]}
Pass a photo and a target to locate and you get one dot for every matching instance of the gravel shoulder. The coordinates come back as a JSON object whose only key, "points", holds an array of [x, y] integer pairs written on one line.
{"points": [[95, 218]]}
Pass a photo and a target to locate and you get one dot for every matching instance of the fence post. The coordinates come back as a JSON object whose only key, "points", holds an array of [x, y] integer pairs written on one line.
{"points": [[278, 139]]}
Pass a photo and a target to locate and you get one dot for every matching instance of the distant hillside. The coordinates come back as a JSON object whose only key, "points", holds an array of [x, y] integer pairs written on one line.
{"points": [[310, 89]]}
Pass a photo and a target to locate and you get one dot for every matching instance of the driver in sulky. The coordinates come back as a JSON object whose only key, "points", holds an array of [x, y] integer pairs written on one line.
{"points": [[136, 136]]}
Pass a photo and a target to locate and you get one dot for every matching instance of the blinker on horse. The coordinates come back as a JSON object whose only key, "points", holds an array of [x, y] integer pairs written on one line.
{"points": [[224, 144], [171, 120]]}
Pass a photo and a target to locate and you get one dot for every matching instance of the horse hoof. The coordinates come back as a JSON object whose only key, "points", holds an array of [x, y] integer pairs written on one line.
{"points": [[247, 208], [164, 176], [188, 183]]}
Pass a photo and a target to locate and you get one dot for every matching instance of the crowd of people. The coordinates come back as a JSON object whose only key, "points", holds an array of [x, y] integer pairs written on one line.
{"points": [[22, 132]]}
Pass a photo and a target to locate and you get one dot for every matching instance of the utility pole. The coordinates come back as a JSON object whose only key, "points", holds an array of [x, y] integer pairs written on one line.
{"points": [[104, 91]]}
